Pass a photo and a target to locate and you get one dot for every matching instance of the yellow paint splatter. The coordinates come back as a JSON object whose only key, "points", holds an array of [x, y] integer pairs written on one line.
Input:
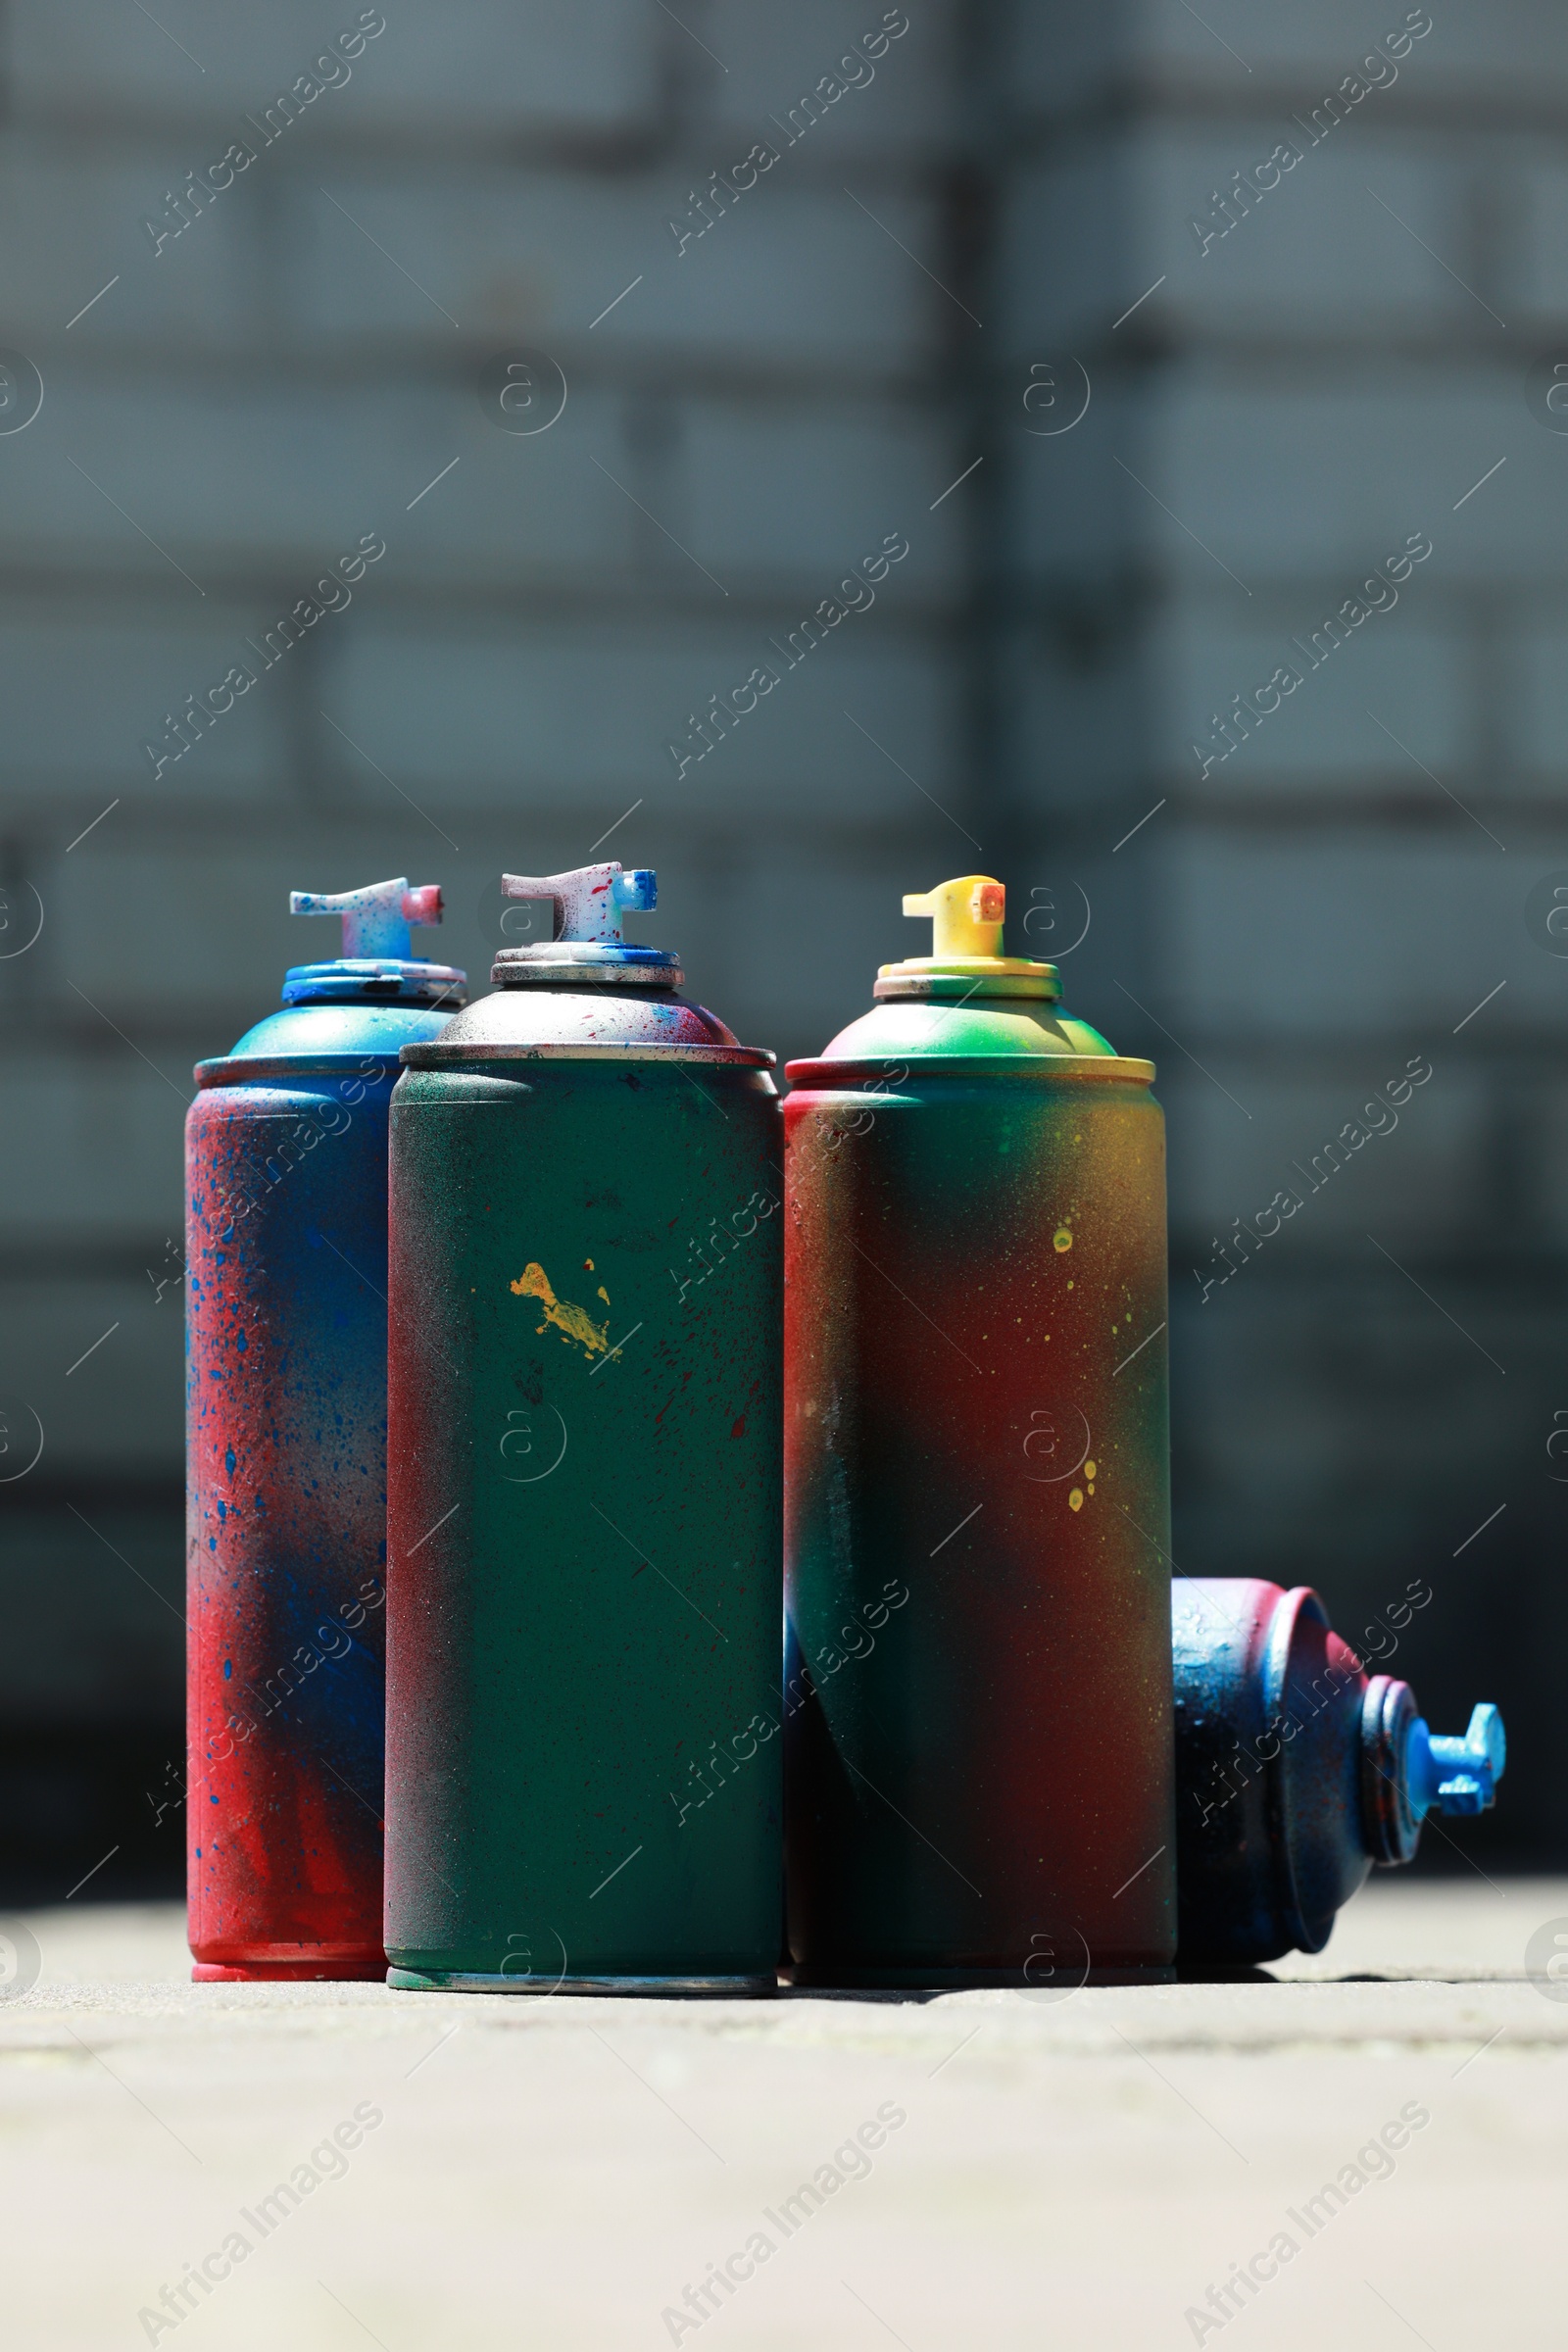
{"points": [[1063, 1237], [1076, 1500], [588, 1265], [603, 1294], [575, 1326], [1090, 1472]]}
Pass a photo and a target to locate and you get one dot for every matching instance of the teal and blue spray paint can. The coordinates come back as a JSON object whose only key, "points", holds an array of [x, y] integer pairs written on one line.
{"points": [[286, 1173]]}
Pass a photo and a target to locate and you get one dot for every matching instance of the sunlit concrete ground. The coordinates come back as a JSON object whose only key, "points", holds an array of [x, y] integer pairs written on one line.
{"points": [[1074, 2173]]}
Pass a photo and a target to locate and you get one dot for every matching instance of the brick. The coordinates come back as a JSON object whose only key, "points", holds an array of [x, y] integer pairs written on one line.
{"points": [[797, 501], [1340, 475], [284, 480], [94, 1605], [1416, 677], [479, 66], [1507, 53], [83, 695], [1338, 936], [1071, 515], [220, 922], [1324, 1424], [75, 224], [1076, 688], [1411, 1180], [1058, 59], [588, 711], [1281, 483], [793, 274], [120, 1411], [1535, 709], [1280, 270], [1540, 1125], [95, 1154], [1287, 266], [775, 57], [1083, 209], [1537, 280]]}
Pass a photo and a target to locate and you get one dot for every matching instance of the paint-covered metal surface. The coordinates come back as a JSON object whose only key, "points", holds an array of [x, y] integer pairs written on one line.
{"points": [[583, 1776], [978, 1735], [1296, 1769], [286, 1467]]}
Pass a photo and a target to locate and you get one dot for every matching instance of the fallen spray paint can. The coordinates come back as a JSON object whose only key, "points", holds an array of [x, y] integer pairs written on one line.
{"points": [[978, 1726], [583, 1777], [1296, 1770], [287, 1176]]}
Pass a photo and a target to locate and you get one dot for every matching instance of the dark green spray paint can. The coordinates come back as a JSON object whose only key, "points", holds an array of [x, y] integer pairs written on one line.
{"points": [[584, 1581]]}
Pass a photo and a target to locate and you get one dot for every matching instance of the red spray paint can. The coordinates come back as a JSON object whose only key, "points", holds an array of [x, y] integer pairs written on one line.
{"points": [[978, 1749]]}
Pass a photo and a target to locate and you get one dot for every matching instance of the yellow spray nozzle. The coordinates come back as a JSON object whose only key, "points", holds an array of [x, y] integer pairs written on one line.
{"points": [[967, 914]]}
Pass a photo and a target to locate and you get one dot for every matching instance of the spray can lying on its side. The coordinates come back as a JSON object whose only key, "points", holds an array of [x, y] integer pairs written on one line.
{"points": [[1297, 1770], [584, 1584], [285, 1180], [978, 1731]]}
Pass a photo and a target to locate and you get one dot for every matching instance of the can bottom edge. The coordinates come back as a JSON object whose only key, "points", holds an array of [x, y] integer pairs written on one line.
{"points": [[455, 1980], [823, 1978], [364, 1969]]}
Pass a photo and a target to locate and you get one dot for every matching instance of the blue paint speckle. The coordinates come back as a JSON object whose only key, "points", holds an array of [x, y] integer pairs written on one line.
{"points": [[228, 1461], [228, 1668]]}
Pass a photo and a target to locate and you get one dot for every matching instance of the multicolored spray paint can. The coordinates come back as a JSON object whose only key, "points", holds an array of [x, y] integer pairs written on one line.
{"points": [[978, 1698], [584, 1584], [1297, 1769], [285, 1162]]}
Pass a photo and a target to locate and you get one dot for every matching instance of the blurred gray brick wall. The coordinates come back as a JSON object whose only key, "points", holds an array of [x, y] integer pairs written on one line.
{"points": [[1280, 410], [749, 417], [233, 410]]}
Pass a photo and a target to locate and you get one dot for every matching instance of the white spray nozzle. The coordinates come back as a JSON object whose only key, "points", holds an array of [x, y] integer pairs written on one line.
{"points": [[589, 901], [377, 918]]}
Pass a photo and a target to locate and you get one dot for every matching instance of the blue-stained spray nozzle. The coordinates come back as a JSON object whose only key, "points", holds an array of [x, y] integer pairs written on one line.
{"points": [[377, 918], [1457, 1775], [377, 963], [590, 901]]}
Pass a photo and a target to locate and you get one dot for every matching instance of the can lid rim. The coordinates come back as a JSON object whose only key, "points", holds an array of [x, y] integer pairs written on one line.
{"points": [[433, 1053], [231, 1069], [915, 1065]]}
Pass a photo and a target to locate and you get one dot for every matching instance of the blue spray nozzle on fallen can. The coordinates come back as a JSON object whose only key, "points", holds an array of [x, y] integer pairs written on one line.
{"points": [[1457, 1775], [1296, 1770]]}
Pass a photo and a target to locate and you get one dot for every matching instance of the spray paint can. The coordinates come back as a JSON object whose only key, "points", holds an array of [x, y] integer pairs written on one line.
{"points": [[1298, 1767], [584, 1584], [978, 1688], [285, 1166]]}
